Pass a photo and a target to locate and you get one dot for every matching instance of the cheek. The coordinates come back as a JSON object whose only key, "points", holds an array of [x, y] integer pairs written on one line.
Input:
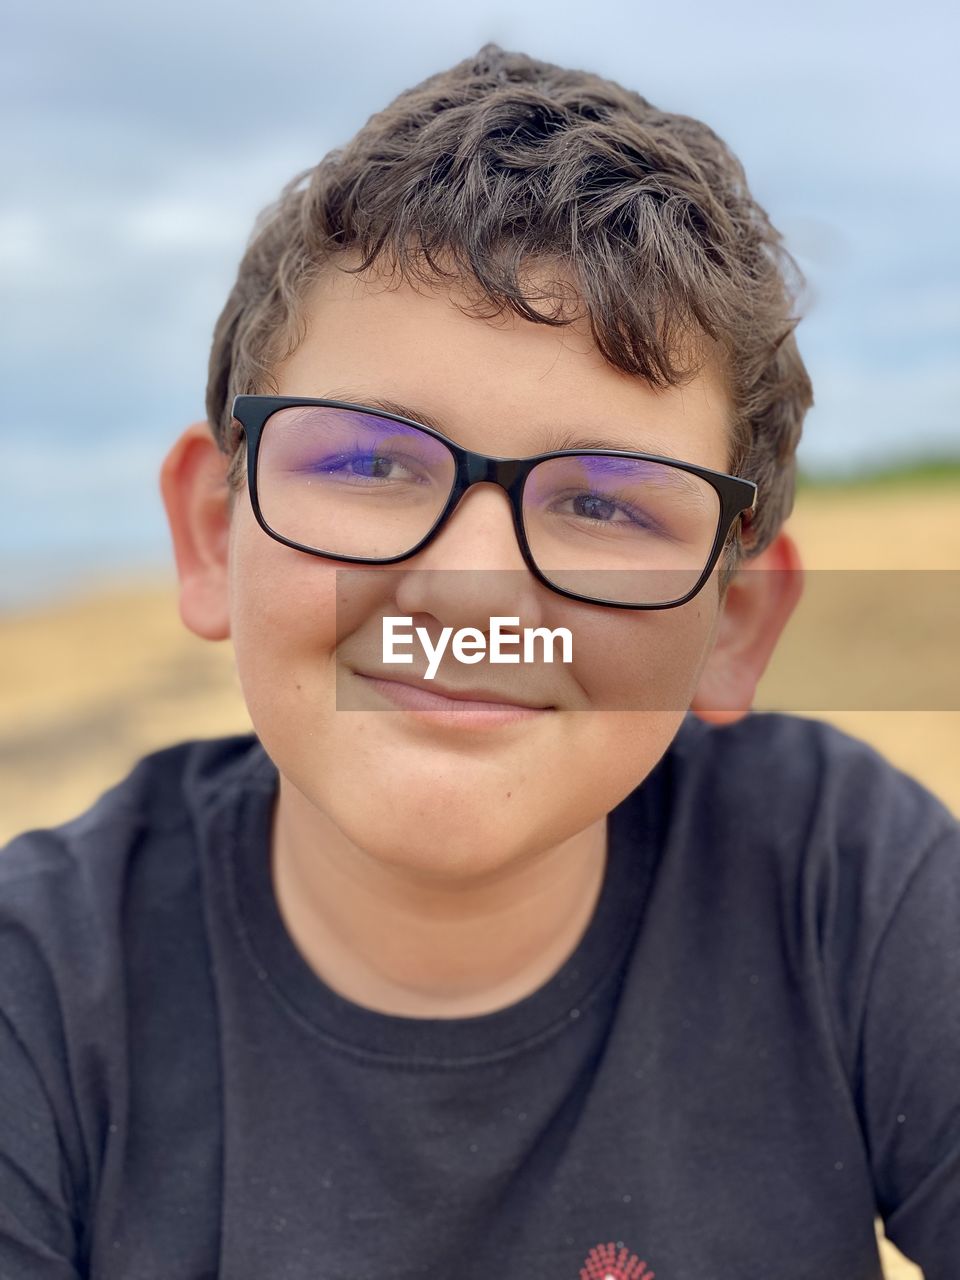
{"points": [[282, 619], [645, 660], [289, 612], [639, 672]]}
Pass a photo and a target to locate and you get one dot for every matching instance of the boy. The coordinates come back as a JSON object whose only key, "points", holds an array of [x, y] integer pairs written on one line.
{"points": [[444, 979]]}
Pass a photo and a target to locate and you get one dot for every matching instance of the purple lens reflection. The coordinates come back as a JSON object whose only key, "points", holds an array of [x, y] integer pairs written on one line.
{"points": [[351, 483], [620, 529]]}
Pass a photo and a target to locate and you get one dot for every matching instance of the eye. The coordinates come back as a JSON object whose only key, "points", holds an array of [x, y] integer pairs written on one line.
{"points": [[372, 465], [600, 510], [362, 464], [595, 508]]}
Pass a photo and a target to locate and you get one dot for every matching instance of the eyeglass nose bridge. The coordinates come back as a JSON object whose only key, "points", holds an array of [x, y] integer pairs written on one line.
{"points": [[478, 468], [507, 473]]}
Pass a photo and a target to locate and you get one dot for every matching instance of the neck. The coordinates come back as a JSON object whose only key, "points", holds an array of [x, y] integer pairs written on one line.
{"points": [[392, 939]]}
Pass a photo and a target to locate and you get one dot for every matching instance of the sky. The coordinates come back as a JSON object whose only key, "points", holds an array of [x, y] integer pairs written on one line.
{"points": [[142, 140]]}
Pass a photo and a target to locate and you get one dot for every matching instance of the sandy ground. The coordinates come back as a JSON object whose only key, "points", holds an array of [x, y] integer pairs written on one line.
{"points": [[88, 685]]}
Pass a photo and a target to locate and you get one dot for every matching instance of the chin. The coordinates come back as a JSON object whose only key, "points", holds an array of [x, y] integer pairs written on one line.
{"points": [[441, 844]]}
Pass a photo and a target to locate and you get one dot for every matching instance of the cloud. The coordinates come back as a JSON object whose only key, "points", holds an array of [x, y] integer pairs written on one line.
{"points": [[148, 138]]}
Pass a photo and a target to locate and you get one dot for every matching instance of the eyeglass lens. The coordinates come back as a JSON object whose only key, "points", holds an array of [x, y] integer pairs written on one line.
{"points": [[353, 484]]}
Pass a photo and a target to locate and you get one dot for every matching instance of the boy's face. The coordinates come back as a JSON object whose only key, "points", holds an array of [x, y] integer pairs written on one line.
{"points": [[461, 800]]}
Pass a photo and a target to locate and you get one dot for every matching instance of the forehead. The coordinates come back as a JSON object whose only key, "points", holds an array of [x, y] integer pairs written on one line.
{"points": [[501, 384]]}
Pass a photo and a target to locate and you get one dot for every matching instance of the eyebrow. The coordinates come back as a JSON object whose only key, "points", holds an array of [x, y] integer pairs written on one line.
{"points": [[554, 439]]}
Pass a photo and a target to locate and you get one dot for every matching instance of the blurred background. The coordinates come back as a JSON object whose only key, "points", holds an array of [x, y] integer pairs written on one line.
{"points": [[143, 140]]}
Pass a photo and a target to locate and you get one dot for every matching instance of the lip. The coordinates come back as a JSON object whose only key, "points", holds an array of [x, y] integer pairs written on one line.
{"points": [[463, 706]]}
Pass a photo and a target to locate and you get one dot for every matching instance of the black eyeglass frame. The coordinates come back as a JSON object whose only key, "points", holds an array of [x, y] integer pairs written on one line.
{"points": [[736, 495]]}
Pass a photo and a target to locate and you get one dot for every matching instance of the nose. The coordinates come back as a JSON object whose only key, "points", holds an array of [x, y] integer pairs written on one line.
{"points": [[473, 569]]}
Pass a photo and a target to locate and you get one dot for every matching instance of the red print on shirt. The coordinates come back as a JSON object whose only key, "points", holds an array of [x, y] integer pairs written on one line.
{"points": [[605, 1263]]}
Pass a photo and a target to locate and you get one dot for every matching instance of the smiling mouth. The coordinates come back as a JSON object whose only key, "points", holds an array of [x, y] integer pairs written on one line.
{"points": [[480, 703]]}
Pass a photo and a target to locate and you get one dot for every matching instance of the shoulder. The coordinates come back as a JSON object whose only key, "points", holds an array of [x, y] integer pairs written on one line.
{"points": [[73, 897], [823, 834], [161, 796], [100, 919], [806, 781], [803, 813]]}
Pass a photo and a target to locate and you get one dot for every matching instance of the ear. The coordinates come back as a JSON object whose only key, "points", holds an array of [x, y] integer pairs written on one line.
{"points": [[195, 494], [760, 599]]}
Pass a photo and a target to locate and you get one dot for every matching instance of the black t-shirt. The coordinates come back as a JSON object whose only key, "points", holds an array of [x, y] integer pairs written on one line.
{"points": [[752, 1051]]}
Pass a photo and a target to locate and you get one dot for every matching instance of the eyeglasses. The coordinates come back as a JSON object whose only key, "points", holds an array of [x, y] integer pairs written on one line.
{"points": [[606, 526]]}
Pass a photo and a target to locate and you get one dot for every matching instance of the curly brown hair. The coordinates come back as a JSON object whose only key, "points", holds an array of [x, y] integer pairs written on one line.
{"points": [[503, 161]]}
